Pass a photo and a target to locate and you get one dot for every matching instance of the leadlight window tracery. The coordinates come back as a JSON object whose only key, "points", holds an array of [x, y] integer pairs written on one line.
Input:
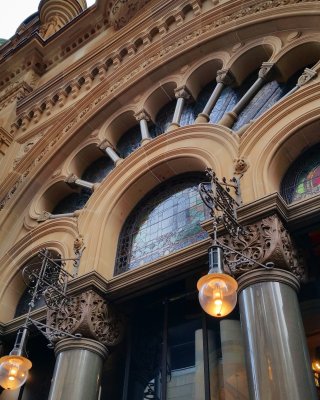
{"points": [[302, 179], [129, 141], [166, 220]]}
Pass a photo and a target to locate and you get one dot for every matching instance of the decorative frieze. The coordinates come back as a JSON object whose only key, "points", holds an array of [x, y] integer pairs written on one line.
{"points": [[91, 316]]}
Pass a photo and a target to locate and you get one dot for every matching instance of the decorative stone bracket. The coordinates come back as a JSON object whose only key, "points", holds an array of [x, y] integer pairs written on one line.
{"points": [[91, 316], [265, 241]]}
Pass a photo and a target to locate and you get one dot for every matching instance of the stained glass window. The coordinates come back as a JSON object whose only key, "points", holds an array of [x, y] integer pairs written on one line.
{"points": [[98, 170], [129, 141], [166, 220], [302, 179]]}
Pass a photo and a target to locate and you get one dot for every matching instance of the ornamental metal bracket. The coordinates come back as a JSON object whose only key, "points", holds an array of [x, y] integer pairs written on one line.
{"points": [[223, 210], [50, 280]]}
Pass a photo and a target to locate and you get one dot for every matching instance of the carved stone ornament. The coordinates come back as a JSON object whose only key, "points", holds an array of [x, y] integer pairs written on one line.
{"points": [[120, 12], [224, 76], [265, 241], [307, 75], [240, 166], [265, 70], [142, 114], [89, 315], [182, 93]]}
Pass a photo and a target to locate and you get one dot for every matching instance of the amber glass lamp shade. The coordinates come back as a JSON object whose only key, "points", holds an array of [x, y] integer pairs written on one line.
{"points": [[217, 294], [13, 371]]}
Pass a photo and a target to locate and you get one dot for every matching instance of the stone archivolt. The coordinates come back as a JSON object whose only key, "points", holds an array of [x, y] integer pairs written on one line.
{"points": [[91, 316], [265, 241], [54, 14]]}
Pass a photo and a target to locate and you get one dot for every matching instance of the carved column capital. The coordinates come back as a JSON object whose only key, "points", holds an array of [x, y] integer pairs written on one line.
{"points": [[105, 144], [307, 75], [182, 93], [265, 70], [71, 179], [142, 114], [266, 241], [89, 315], [224, 76]]}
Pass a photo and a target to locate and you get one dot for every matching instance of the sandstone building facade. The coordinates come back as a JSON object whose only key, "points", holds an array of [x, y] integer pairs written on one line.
{"points": [[109, 116]]}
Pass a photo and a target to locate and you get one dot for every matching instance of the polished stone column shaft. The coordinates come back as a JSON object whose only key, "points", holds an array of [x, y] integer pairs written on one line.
{"points": [[182, 95], [78, 369], [143, 118], [230, 117], [106, 147], [278, 363]]}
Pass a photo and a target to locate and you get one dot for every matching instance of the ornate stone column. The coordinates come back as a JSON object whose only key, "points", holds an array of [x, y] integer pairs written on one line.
{"points": [[264, 74], [73, 180], [143, 118], [182, 95], [278, 363], [110, 152], [79, 362], [223, 78]]}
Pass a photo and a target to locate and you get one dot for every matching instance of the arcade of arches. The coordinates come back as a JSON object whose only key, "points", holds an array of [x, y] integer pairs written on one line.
{"points": [[109, 117]]}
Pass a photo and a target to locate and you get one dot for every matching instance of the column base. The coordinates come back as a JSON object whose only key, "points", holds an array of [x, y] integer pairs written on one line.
{"points": [[145, 141], [228, 119], [118, 162], [202, 118], [173, 126]]}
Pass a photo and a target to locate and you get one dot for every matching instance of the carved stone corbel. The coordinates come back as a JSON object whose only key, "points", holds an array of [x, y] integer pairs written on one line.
{"points": [[91, 316], [265, 241]]}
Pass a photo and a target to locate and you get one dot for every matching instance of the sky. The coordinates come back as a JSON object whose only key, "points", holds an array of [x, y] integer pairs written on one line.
{"points": [[13, 12]]}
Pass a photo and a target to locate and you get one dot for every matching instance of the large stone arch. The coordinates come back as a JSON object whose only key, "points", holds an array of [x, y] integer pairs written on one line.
{"points": [[275, 140], [186, 149], [56, 235]]}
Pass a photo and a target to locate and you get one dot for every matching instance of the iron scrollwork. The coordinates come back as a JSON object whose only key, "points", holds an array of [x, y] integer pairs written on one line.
{"points": [[223, 210]]}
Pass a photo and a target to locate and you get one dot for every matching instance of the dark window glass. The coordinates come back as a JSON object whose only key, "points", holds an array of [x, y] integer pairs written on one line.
{"points": [[98, 170], [72, 202], [129, 141], [163, 119], [302, 179], [167, 220], [203, 98]]}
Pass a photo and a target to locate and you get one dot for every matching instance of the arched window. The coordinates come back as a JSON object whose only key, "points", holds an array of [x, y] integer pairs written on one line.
{"points": [[129, 141], [303, 177], [166, 220], [94, 173]]}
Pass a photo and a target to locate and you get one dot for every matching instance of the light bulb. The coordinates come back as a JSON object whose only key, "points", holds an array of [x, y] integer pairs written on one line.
{"points": [[316, 366], [13, 371], [217, 294]]}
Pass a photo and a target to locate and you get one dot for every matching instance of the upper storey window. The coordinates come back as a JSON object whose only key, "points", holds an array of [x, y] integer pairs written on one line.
{"points": [[166, 220], [302, 179]]}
